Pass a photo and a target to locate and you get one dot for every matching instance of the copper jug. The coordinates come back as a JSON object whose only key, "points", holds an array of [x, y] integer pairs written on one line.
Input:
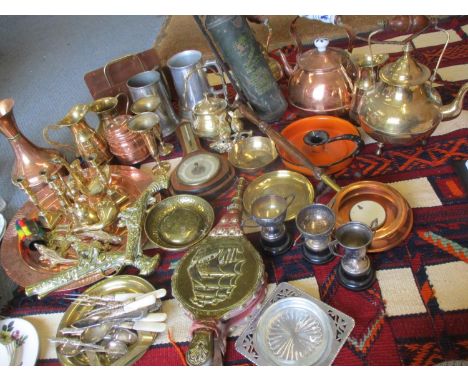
{"points": [[87, 141], [30, 159], [403, 108], [322, 81], [106, 109]]}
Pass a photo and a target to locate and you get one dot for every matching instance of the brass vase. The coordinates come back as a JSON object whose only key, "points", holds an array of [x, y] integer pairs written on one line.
{"points": [[30, 160]]}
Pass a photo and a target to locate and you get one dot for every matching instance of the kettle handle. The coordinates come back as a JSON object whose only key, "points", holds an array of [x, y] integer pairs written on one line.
{"points": [[334, 20], [45, 134]]}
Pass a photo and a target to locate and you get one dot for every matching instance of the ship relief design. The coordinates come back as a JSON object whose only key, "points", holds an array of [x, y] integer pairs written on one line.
{"points": [[214, 274]]}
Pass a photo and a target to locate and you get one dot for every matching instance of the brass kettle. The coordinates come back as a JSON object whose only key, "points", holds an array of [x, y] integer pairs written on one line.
{"points": [[403, 108], [322, 81]]}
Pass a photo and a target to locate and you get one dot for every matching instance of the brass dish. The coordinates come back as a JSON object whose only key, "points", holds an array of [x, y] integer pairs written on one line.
{"points": [[282, 183], [115, 285], [253, 153], [24, 267], [398, 214], [178, 222]]}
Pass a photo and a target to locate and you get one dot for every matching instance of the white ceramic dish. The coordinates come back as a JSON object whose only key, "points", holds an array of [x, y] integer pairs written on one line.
{"points": [[27, 342]]}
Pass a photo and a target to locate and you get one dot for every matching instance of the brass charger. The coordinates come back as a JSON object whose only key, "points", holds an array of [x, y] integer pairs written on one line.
{"points": [[178, 222]]}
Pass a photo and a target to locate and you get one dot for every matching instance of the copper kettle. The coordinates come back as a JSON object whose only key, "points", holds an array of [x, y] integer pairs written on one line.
{"points": [[322, 80], [403, 107]]}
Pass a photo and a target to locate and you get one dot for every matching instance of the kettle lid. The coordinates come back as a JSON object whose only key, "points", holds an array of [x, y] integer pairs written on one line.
{"points": [[405, 71], [321, 58]]}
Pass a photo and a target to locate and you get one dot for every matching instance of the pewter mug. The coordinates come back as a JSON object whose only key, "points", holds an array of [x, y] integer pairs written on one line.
{"points": [[315, 223], [190, 82], [351, 242], [152, 83]]}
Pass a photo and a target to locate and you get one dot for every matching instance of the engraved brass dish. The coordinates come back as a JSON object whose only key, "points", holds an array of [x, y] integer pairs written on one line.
{"points": [[253, 153], [24, 267], [178, 222], [282, 183], [115, 285]]}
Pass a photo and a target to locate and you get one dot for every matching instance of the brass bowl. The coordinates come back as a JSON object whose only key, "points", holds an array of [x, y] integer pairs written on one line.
{"points": [[398, 214], [282, 183], [76, 311], [253, 154], [178, 222]]}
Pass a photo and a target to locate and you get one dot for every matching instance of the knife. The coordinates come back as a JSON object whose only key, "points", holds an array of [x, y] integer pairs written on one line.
{"points": [[131, 311]]}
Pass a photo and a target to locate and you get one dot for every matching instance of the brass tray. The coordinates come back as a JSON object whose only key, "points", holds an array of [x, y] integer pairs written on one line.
{"points": [[114, 285], [282, 183], [178, 222], [23, 266]]}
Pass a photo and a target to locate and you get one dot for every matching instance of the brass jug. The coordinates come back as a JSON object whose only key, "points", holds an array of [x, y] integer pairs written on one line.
{"points": [[87, 141], [30, 160], [403, 108]]}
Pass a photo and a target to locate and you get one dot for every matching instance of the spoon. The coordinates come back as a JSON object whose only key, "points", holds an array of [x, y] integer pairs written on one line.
{"points": [[123, 335], [71, 348]]}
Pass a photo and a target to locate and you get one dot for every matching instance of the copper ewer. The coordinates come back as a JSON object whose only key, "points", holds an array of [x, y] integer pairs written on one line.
{"points": [[30, 159]]}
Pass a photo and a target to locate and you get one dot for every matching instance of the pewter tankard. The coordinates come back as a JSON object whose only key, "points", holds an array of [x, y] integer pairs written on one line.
{"points": [[190, 82]]}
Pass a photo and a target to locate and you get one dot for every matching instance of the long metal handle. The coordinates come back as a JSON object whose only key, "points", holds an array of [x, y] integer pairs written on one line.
{"points": [[287, 146]]}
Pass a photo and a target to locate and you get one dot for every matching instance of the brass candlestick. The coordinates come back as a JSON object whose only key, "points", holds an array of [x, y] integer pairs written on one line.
{"points": [[49, 219], [151, 104], [145, 124]]}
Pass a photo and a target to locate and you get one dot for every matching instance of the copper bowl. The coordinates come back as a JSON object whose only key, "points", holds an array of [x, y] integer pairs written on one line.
{"points": [[399, 216]]}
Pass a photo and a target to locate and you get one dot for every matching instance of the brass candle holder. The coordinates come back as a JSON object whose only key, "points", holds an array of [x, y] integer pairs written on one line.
{"points": [[151, 104], [145, 124], [49, 219]]}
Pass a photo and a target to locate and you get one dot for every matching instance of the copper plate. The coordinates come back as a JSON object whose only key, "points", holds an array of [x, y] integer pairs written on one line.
{"points": [[399, 216], [21, 265], [115, 285]]}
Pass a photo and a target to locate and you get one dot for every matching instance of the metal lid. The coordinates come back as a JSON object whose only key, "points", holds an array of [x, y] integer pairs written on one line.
{"points": [[210, 105], [405, 71], [322, 59]]}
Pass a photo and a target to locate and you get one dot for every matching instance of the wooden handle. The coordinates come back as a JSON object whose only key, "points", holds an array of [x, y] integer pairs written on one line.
{"points": [[407, 24]]}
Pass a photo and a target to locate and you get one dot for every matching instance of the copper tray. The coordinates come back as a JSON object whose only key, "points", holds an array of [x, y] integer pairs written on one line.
{"points": [[399, 216], [23, 267]]}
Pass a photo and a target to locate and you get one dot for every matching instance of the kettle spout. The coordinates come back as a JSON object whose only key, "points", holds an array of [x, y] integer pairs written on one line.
{"points": [[287, 68], [454, 108]]}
